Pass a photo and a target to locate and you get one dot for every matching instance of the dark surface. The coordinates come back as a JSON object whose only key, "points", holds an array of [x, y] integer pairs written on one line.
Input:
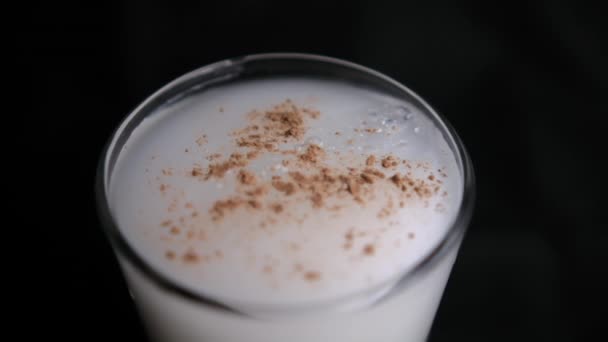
{"points": [[523, 83]]}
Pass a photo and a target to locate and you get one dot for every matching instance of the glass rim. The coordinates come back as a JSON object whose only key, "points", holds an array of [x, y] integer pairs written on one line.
{"points": [[457, 228]]}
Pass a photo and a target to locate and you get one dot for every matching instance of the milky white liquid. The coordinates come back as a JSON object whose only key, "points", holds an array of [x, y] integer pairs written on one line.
{"points": [[306, 273]]}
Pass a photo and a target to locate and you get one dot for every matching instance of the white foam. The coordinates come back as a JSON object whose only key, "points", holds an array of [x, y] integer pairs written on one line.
{"points": [[238, 261]]}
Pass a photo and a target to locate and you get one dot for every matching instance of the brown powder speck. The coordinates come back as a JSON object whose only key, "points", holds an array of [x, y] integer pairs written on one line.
{"points": [[252, 154], [163, 187], [267, 269], [258, 191], [286, 120], [370, 161], [352, 185], [189, 205], [166, 223], [190, 256], [317, 200], [374, 172], [254, 204], [221, 109], [327, 176], [186, 150], [246, 177], [287, 188], [369, 250], [191, 235], [349, 237], [254, 137], [350, 141], [313, 154], [170, 255], [384, 212], [338, 133], [196, 172], [175, 230], [401, 204], [277, 208], [220, 207], [237, 158], [411, 236], [422, 190], [431, 177], [389, 162], [218, 170], [292, 132], [219, 254], [402, 182], [312, 276], [367, 178]]}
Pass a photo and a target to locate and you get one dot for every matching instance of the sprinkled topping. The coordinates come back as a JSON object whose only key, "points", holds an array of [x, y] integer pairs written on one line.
{"points": [[313, 154], [286, 198], [218, 170], [370, 161], [246, 177], [390, 162], [190, 256], [312, 276]]}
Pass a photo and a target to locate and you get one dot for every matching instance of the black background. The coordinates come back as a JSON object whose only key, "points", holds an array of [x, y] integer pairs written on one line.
{"points": [[523, 82]]}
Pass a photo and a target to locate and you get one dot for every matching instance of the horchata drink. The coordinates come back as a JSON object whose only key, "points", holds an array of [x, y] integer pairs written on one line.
{"points": [[285, 197]]}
